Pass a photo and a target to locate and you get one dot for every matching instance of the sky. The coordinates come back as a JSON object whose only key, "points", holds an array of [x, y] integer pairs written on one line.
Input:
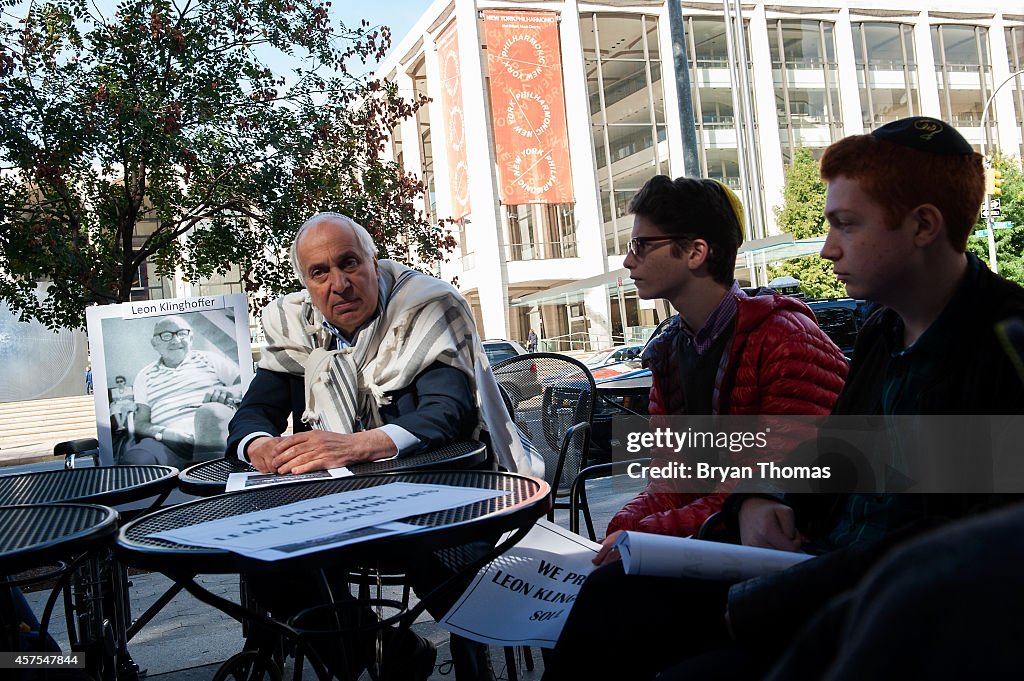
{"points": [[399, 15]]}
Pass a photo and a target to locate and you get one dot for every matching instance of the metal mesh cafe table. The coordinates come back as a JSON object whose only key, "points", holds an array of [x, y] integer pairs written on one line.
{"points": [[44, 534], [97, 604], [109, 485], [442, 532], [36, 534], [211, 477]]}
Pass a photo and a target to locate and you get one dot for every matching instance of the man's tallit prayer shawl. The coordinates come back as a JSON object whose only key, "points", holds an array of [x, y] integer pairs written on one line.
{"points": [[420, 320]]}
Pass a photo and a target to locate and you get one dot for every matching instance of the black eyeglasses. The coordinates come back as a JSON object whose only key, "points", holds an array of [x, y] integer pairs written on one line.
{"points": [[639, 245], [180, 334]]}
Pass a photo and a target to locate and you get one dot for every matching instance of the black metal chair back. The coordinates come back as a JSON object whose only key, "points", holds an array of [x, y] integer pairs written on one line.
{"points": [[552, 398]]}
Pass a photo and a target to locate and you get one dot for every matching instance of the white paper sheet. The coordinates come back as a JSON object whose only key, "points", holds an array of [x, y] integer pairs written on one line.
{"points": [[657, 555], [328, 521], [237, 481], [523, 596]]}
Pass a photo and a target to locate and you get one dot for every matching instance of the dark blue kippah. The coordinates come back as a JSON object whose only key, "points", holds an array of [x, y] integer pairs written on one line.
{"points": [[925, 134]]}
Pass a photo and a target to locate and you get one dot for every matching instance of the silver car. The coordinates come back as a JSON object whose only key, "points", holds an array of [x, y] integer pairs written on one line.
{"points": [[622, 353]]}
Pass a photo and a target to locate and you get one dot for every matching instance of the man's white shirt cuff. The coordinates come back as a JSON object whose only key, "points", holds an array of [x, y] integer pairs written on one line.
{"points": [[244, 442], [403, 439]]}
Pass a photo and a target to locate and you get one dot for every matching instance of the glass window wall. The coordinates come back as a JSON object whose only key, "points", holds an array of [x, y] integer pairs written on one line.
{"points": [[964, 73], [627, 108], [886, 72], [541, 231], [714, 108], [806, 79]]}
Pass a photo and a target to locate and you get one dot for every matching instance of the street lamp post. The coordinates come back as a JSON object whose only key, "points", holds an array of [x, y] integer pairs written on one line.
{"points": [[988, 197]]}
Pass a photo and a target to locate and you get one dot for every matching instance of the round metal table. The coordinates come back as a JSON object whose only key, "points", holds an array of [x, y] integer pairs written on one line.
{"points": [[36, 534], [98, 586], [58, 534], [109, 485], [446, 532], [210, 477], [528, 499]]}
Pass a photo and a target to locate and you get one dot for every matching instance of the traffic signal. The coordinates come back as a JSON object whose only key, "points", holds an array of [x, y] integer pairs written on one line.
{"points": [[993, 181]]}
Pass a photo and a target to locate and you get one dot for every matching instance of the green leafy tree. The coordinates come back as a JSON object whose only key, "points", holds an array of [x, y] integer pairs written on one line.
{"points": [[802, 214], [159, 133], [1009, 242]]}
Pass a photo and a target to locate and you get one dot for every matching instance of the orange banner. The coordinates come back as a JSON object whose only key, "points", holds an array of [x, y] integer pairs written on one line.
{"points": [[531, 142], [455, 123]]}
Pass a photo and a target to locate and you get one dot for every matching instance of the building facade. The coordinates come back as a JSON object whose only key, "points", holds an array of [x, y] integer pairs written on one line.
{"points": [[765, 79]]}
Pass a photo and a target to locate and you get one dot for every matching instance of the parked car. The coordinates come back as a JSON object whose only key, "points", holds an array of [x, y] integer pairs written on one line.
{"points": [[626, 387], [519, 385], [841, 319], [615, 355]]}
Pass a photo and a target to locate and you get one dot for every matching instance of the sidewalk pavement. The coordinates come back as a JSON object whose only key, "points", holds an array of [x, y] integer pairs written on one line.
{"points": [[188, 640]]}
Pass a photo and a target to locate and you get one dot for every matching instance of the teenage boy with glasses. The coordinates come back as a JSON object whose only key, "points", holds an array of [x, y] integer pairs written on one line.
{"points": [[724, 353]]}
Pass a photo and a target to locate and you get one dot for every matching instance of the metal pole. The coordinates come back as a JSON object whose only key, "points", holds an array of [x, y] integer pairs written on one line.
{"points": [[988, 198], [622, 313], [753, 168], [687, 126], [737, 115]]}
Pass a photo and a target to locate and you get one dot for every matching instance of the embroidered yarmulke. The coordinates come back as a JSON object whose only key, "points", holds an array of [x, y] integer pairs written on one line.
{"points": [[925, 134]]}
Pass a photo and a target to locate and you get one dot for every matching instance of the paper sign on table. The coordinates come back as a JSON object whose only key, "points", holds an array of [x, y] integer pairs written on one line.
{"points": [[315, 524], [657, 555], [252, 479], [523, 596]]}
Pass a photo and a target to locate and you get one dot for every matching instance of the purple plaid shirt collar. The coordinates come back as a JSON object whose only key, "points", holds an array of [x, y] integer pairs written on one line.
{"points": [[717, 322]]}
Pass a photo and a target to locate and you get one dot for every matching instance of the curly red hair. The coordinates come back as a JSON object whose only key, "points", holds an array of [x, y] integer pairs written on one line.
{"points": [[901, 178]]}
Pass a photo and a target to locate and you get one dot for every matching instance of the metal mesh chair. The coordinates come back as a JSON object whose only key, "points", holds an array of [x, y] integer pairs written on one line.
{"points": [[578, 502], [552, 399]]}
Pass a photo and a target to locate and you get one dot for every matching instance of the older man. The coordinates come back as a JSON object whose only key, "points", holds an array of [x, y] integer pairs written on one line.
{"points": [[389, 358], [183, 400], [372, 360]]}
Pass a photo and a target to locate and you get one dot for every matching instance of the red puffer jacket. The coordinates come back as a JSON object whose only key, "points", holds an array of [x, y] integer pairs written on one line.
{"points": [[779, 362]]}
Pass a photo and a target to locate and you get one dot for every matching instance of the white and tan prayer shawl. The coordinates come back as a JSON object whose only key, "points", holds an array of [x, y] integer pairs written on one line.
{"points": [[420, 320]]}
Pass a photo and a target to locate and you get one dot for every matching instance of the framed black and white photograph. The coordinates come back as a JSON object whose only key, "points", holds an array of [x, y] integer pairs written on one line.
{"points": [[168, 376]]}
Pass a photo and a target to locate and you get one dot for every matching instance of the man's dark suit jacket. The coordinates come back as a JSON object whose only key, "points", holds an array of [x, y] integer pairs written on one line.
{"points": [[437, 408]]}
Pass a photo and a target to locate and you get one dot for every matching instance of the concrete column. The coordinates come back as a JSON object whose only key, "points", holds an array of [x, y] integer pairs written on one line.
{"points": [[927, 81], [599, 316], [1002, 106], [589, 236], [439, 150], [485, 217], [769, 141], [849, 90], [438, 130], [589, 230]]}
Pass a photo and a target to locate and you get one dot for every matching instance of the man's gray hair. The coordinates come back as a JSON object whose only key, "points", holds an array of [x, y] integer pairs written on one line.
{"points": [[364, 238]]}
